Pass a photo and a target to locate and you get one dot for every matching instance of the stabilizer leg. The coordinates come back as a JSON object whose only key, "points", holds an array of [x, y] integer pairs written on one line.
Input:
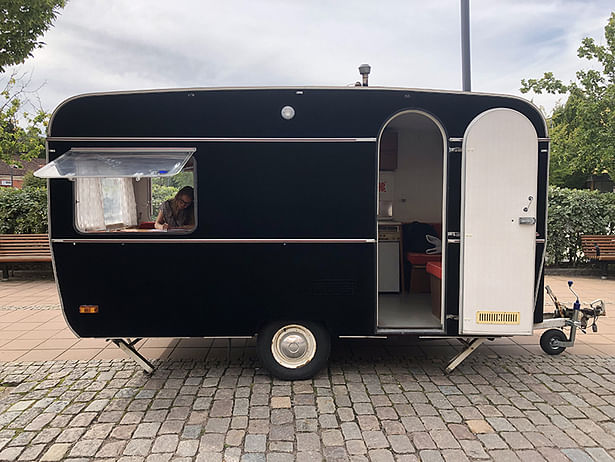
{"points": [[129, 349], [463, 354]]}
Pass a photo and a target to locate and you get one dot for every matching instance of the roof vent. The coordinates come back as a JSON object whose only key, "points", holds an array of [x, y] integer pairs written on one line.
{"points": [[364, 70]]}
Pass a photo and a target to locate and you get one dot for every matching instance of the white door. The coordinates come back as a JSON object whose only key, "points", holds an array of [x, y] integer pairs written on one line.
{"points": [[498, 224]]}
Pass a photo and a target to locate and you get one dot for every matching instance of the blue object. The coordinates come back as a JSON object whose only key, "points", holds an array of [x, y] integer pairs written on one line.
{"points": [[569, 283]]}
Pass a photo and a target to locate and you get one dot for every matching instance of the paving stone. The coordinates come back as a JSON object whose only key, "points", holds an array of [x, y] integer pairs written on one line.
{"points": [[32, 452], [138, 447], [504, 455], [479, 426], [332, 438], [55, 452], [11, 453], [146, 430], [165, 443], [281, 446], [187, 448], [492, 441], [217, 425], [422, 440], [308, 442], [212, 443], [356, 447], [280, 402], [281, 433], [255, 443], [112, 449], [444, 439], [85, 448], [70, 435], [431, 456], [400, 444]]}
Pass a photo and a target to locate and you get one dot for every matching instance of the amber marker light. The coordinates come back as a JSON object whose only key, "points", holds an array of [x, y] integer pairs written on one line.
{"points": [[88, 309]]}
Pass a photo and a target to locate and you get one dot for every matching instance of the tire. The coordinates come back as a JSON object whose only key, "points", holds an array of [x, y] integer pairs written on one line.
{"points": [[546, 341], [293, 350]]}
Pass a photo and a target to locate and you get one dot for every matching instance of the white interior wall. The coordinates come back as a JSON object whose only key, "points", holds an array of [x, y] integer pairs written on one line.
{"points": [[417, 194]]}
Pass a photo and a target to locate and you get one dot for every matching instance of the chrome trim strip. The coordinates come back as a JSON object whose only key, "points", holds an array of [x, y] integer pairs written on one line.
{"points": [[455, 140], [363, 336], [411, 331], [543, 140], [210, 139], [213, 241], [540, 241]]}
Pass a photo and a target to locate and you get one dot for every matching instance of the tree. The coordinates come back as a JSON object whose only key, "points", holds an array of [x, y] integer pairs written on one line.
{"points": [[22, 23], [583, 129], [21, 133]]}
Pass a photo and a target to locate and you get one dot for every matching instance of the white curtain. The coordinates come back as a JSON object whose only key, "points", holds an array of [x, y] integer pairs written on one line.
{"points": [[106, 201], [128, 205], [90, 211]]}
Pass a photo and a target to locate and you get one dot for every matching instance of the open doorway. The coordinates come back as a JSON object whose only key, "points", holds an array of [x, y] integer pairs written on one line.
{"points": [[411, 205]]}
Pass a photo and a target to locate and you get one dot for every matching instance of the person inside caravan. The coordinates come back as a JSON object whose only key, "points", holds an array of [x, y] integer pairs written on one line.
{"points": [[178, 212]]}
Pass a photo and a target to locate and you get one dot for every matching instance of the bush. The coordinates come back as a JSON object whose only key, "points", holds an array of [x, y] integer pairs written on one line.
{"points": [[573, 212], [23, 211], [30, 180]]}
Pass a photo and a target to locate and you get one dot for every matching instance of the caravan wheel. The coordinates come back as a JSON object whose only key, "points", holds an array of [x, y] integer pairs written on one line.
{"points": [[548, 338], [293, 351]]}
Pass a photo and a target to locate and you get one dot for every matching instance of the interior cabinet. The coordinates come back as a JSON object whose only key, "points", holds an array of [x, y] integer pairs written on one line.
{"points": [[388, 150]]}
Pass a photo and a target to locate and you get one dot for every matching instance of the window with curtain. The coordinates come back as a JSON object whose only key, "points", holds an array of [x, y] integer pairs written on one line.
{"points": [[129, 189]]}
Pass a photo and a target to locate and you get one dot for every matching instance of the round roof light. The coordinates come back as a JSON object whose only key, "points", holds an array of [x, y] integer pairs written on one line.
{"points": [[288, 112]]}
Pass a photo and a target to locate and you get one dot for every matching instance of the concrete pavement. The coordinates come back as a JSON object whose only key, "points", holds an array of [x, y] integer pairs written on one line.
{"points": [[32, 328]]}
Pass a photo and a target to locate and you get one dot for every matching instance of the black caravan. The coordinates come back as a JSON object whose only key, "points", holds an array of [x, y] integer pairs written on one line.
{"points": [[306, 209]]}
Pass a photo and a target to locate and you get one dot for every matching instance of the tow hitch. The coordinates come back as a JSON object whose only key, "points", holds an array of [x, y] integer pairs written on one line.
{"points": [[554, 341]]}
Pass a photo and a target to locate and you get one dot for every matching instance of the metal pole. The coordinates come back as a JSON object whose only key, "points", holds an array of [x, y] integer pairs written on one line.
{"points": [[466, 78]]}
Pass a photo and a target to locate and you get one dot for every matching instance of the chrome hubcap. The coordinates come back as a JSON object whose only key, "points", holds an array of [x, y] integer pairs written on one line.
{"points": [[293, 346]]}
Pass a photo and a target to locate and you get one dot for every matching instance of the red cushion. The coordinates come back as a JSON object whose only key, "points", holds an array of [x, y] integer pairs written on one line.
{"points": [[422, 258], [434, 268], [146, 225]]}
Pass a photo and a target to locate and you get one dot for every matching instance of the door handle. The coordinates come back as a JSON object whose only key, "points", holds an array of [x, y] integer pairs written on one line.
{"points": [[527, 220]]}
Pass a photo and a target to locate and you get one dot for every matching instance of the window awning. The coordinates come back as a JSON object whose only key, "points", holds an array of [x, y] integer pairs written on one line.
{"points": [[117, 163]]}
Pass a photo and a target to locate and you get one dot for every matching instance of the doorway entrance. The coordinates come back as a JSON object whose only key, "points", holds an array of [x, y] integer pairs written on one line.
{"points": [[411, 205]]}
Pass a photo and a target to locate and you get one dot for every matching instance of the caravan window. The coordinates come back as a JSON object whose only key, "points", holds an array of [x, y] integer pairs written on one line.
{"points": [[124, 189]]}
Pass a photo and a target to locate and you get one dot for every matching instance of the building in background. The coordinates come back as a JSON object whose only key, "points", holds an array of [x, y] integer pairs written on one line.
{"points": [[12, 175]]}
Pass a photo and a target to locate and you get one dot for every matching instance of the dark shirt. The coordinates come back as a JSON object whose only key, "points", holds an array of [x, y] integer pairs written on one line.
{"points": [[181, 218]]}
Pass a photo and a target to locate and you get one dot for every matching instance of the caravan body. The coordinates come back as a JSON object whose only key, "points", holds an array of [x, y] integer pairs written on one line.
{"points": [[302, 198]]}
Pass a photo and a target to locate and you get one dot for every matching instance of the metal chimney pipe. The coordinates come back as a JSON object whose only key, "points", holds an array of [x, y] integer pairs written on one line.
{"points": [[364, 70], [466, 78]]}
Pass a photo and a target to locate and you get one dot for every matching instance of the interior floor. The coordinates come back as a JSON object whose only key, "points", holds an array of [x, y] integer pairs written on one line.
{"points": [[406, 311]]}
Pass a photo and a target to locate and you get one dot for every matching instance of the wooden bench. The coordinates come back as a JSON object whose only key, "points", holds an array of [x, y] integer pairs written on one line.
{"points": [[23, 248], [599, 248]]}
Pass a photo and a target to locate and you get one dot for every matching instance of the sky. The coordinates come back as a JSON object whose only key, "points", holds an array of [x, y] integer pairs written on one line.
{"points": [[108, 45]]}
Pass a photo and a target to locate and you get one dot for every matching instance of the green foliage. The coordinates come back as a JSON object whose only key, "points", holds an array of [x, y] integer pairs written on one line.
{"points": [[583, 129], [23, 21], [23, 211], [16, 140], [161, 193], [573, 212], [29, 180]]}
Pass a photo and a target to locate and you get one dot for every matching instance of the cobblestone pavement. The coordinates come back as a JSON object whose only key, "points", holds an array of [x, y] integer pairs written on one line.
{"points": [[373, 403]]}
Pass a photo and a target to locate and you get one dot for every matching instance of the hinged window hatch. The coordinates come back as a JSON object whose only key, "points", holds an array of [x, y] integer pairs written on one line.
{"points": [[117, 163]]}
